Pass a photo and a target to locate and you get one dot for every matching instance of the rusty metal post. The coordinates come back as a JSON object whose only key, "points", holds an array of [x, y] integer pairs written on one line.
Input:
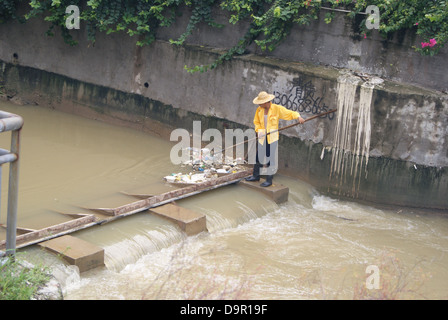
{"points": [[13, 123], [13, 193]]}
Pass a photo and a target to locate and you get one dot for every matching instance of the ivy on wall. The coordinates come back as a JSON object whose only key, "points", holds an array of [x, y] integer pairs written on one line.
{"points": [[269, 21], [428, 18], [8, 10]]}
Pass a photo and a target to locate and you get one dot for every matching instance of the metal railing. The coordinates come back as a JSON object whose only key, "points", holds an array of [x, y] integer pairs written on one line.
{"points": [[13, 123]]}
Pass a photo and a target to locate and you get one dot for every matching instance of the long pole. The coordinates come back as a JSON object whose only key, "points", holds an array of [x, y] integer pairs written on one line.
{"points": [[286, 127]]}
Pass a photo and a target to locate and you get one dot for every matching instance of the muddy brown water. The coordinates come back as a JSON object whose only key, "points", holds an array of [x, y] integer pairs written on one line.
{"points": [[312, 247]]}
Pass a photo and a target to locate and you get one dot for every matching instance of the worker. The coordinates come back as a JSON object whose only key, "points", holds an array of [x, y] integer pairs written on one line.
{"points": [[266, 120]]}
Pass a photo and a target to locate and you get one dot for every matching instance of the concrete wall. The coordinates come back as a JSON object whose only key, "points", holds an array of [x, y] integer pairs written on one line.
{"points": [[148, 88], [336, 44]]}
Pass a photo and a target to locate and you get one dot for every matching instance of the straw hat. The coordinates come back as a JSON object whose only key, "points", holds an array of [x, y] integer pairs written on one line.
{"points": [[263, 97]]}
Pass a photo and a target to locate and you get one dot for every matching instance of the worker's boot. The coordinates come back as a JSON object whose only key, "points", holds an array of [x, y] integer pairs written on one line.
{"points": [[255, 174], [268, 182]]}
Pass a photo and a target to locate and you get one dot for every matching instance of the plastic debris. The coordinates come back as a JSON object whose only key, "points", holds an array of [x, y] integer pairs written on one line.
{"points": [[189, 178], [205, 166]]}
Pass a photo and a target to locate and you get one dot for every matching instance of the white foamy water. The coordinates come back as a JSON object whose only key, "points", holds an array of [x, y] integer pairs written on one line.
{"points": [[316, 250]]}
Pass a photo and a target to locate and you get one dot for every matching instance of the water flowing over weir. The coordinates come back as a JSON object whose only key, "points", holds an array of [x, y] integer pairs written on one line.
{"points": [[351, 146]]}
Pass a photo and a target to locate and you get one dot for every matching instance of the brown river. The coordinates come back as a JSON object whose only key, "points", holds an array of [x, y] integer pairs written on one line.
{"points": [[312, 247]]}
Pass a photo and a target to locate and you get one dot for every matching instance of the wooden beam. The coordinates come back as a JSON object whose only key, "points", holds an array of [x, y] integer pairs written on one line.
{"points": [[36, 236], [154, 201], [82, 221]]}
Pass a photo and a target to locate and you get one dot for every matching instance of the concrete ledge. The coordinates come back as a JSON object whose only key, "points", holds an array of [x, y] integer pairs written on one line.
{"points": [[277, 192], [75, 251], [189, 221]]}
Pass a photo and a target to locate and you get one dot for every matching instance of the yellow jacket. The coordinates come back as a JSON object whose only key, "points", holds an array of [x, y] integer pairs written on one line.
{"points": [[275, 113]]}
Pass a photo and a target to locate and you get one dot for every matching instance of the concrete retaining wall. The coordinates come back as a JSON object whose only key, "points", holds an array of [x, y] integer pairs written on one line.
{"points": [[148, 88], [337, 44]]}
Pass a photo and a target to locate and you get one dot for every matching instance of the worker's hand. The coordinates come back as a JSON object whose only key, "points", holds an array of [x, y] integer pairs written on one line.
{"points": [[261, 134], [301, 120]]}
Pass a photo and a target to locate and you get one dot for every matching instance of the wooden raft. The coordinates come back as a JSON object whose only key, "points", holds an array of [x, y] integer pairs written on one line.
{"points": [[82, 221]]}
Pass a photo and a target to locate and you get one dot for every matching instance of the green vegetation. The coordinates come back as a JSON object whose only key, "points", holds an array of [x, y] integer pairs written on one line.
{"points": [[269, 21], [429, 19], [18, 282]]}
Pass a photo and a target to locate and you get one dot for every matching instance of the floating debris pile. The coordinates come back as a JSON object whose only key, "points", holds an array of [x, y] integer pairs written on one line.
{"points": [[205, 165]]}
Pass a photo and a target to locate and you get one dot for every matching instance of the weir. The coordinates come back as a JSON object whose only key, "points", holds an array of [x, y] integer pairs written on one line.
{"points": [[82, 221], [87, 256]]}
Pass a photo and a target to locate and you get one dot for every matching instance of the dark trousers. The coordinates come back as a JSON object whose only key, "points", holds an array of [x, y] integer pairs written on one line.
{"points": [[263, 158]]}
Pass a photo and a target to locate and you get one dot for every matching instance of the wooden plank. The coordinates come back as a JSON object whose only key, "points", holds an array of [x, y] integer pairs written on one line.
{"points": [[51, 232], [154, 201], [82, 221]]}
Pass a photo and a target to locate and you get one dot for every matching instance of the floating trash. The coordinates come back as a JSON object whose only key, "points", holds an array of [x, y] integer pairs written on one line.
{"points": [[205, 166], [190, 178], [205, 158]]}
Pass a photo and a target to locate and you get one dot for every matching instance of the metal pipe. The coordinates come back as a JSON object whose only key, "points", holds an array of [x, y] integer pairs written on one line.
{"points": [[4, 151], [10, 121], [14, 123], [10, 157], [13, 191]]}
